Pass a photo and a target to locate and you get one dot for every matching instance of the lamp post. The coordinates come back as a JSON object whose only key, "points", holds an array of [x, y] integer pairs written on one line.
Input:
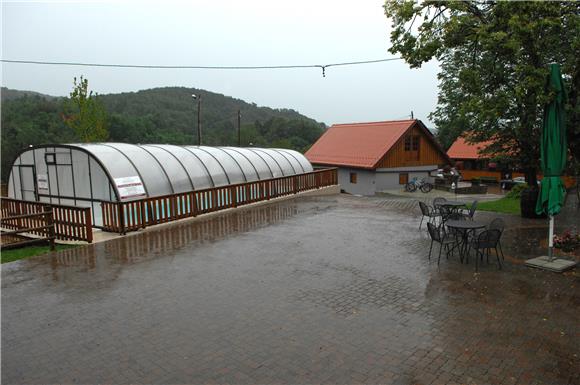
{"points": [[198, 98], [239, 128]]}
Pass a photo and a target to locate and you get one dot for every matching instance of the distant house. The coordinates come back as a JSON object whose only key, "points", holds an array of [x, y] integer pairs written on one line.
{"points": [[378, 156], [468, 156], [472, 163]]}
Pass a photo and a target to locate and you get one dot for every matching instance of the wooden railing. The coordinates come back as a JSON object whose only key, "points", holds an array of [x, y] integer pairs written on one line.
{"points": [[69, 222], [35, 219], [133, 215]]}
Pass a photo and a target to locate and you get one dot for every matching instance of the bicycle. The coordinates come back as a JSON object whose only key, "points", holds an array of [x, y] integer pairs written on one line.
{"points": [[420, 184]]}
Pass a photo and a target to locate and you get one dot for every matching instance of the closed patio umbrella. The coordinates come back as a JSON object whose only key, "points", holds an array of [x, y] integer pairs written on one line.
{"points": [[553, 161]]}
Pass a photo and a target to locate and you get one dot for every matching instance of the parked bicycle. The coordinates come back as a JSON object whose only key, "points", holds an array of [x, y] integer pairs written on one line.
{"points": [[420, 184]]}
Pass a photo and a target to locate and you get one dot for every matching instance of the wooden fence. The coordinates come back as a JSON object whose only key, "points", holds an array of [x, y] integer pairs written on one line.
{"points": [[133, 215], [38, 220], [70, 223]]}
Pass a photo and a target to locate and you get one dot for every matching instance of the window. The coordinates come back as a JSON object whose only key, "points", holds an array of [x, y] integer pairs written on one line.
{"points": [[412, 142], [50, 158], [353, 177], [403, 178], [415, 145]]}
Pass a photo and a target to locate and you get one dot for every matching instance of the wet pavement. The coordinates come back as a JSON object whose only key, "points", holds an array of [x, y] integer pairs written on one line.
{"points": [[332, 289]]}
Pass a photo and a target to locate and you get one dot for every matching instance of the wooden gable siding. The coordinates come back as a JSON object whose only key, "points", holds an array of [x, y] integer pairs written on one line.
{"points": [[428, 153]]}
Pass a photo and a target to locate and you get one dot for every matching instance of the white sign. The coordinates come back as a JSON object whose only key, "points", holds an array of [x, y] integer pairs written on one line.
{"points": [[130, 187], [42, 181]]}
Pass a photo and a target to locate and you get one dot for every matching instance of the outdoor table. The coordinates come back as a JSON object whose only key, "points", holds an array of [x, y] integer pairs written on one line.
{"points": [[451, 206], [464, 227]]}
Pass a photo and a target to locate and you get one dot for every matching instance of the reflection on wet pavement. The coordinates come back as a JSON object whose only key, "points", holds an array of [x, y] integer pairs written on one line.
{"points": [[314, 290]]}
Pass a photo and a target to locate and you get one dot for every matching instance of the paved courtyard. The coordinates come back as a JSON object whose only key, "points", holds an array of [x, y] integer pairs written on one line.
{"points": [[332, 289]]}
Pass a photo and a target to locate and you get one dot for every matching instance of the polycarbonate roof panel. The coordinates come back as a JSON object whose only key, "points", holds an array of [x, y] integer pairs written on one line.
{"points": [[213, 166], [175, 170], [152, 174], [281, 160], [195, 168], [229, 164], [306, 166], [296, 166], [118, 166], [262, 167], [270, 161], [250, 172]]}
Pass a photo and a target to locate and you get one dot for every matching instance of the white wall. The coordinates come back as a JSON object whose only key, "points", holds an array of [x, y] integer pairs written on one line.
{"points": [[369, 181], [365, 184]]}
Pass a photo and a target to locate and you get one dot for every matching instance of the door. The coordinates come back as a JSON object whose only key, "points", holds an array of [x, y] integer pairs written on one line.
{"points": [[28, 182], [403, 178]]}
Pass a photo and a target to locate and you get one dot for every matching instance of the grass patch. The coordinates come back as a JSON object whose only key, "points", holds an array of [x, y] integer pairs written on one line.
{"points": [[504, 205], [29, 251]]}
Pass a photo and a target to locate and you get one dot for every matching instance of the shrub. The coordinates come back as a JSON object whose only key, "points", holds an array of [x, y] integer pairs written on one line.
{"points": [[516, 191]]}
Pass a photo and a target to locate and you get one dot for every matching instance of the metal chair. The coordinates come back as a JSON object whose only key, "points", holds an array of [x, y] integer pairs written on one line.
{"points": [[485, 241], [437, 202], [471, 212], [498, 224], [443, 239], [429, 212]]}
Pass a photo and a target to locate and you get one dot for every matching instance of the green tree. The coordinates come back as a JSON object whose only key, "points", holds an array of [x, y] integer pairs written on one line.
{"points": [[85, 114], [494, 58]]}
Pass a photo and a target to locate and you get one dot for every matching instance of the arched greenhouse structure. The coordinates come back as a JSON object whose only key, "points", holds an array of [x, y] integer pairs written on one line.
{"points": [[85, 175]]}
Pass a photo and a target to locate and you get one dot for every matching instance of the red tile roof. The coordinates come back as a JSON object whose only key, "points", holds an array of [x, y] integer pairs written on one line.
{"points": [[357, 144], [463, 150]]}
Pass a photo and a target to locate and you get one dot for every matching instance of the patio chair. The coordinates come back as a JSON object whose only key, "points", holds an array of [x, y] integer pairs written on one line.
{"points": [[468, 214], [486, 241], [498, 224], [429, 212], [438, 235], [437, 202]]}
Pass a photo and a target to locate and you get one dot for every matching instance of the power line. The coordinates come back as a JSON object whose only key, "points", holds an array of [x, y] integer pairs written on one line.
{"points": [[148, 66]]}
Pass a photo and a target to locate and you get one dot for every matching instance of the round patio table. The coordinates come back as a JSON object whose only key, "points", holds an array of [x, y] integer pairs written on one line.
{"points": [[450, 207], [464, 227], [452, 204]]}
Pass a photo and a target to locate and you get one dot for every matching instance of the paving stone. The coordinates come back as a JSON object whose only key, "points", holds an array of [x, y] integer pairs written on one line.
{"points": [[333, 290]]}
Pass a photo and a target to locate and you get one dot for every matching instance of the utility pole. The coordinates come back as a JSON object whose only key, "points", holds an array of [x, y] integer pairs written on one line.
{"points": [[239, 128], [198, 98], [412, 115]]}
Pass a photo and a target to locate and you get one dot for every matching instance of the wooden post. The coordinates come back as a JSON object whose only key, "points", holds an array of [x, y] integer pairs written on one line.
{"points": [[121, 214], [89, 225], [49, 219]]}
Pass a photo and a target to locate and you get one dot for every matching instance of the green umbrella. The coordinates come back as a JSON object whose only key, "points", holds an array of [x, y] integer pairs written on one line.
{"points": [[553, 151]]}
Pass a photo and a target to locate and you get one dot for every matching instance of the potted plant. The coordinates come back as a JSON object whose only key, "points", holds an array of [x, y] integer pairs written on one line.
{"points": [[567, 241]]}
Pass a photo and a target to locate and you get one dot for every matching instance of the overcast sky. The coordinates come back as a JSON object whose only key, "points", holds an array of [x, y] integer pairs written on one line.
{"points": [[228, 33]]}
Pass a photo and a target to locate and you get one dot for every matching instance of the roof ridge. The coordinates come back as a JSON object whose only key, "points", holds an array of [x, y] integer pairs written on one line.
{"points": [[377, 122]]}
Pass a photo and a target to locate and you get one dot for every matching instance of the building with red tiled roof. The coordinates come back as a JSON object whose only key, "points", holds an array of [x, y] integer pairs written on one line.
{"points": [[460, 149], [378, 156]]}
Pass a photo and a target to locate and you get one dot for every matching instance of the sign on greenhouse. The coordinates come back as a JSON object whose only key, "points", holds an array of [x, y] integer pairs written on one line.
{"points": [[130, 187]]}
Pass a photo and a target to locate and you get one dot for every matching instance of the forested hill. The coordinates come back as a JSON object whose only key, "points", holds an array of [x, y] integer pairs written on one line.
{"points": [[159, 115]]}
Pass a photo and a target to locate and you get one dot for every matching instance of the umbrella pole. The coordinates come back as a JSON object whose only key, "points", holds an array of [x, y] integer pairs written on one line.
{"points": [[551, 238]]}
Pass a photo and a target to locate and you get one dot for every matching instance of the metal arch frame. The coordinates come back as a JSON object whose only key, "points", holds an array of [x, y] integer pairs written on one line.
{"points": [[261, 157], [284, 151], [132, 164], [216, 159], [80, 148], [158, 162], [235, 161], [203, 164], [277, 150], [249, 161], [274, 159], [177, 159]]}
